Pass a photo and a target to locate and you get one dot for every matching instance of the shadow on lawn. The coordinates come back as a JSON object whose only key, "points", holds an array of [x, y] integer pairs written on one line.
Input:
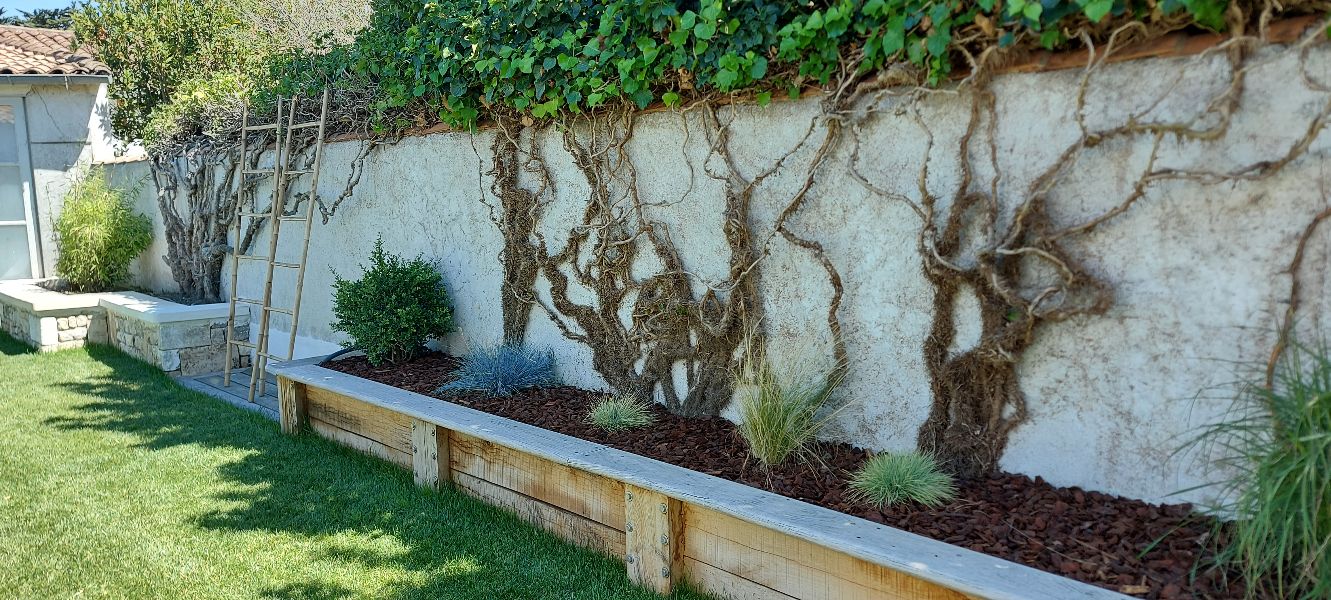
{"points": [[449, 545], [10, 346]]}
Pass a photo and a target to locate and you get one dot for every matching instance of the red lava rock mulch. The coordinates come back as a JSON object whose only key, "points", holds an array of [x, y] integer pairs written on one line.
{"points": [[1145, 550]]}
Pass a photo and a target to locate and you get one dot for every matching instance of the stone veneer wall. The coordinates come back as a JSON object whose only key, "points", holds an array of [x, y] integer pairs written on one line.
{"points": [[48, 332], [189, 348]]}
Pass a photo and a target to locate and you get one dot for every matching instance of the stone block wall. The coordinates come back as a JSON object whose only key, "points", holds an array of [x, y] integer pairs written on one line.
{"points": [[191, 347], [47, 332]]}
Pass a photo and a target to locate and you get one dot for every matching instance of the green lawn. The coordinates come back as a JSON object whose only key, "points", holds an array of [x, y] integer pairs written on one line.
{"points": [[116, 482]]}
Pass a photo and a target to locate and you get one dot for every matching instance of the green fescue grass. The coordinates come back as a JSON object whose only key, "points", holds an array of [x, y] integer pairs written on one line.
{"points": [[892, 478], [116, 482], [780, 414], [620, 413]]}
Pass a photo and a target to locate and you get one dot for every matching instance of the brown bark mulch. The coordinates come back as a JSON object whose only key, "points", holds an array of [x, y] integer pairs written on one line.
{"points": [[1130, 546]]}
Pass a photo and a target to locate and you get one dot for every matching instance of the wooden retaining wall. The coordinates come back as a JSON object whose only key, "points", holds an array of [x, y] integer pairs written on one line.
{"points": [[667, 523]]}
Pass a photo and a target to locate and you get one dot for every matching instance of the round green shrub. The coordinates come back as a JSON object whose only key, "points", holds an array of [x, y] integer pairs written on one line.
{"points": [[98, 234], [392, 310], [890, 478]]}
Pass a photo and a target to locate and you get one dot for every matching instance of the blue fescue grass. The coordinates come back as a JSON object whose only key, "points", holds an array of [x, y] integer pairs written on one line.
{"points": [[502, 371]]}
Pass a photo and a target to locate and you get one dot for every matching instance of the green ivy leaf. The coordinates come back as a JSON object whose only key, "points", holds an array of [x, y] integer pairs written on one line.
{"points": [[704, 31], [1097, 9], [671, 99], [764, 98]]}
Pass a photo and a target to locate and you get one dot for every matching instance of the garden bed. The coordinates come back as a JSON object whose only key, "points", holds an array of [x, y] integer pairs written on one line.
{"points": [[732, 537], [1121, 544]]}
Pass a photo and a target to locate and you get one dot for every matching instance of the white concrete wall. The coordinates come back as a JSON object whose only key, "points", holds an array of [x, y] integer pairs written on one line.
{"points": [[1197, 270], [68, 129]]}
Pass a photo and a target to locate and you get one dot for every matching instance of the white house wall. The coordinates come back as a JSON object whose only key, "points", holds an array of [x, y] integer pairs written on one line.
{"points": [[1198, 271]]}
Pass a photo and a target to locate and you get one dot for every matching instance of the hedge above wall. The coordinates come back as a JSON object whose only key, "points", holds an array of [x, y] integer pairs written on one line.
{"points": [[455, 60]]}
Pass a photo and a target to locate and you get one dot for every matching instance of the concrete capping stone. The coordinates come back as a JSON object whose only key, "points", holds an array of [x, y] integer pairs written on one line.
{"points": [[150, 309]]}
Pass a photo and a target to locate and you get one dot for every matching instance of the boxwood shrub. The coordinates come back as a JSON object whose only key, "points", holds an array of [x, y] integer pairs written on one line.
{"points": [[393, 309]]}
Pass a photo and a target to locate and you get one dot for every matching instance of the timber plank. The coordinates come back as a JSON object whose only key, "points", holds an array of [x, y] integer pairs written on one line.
{"points": [[598, 498], [390, 428], [652, 523], [725, 584], [429, 454], [572, 527], [291, 404], [364, 444], [794, 566]]}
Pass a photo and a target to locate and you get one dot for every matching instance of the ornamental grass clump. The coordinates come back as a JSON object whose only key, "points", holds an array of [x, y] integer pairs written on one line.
{"points": [[620, 413], [780, 416], [1276, 443], [98, 234], [393, 309], [502, 371], [892, 478]]}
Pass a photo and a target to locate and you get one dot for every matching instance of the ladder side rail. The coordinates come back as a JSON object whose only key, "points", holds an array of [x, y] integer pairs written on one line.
{"points": [[275, 227], [235, 251], [309, 224]]}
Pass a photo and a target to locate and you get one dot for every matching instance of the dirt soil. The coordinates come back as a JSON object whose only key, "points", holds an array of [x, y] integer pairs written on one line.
{"points": [[1140, 549]]}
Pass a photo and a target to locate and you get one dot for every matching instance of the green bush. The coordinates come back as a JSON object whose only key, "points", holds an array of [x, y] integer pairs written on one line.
{"points": [[780, 417], [393, 309], [98, 234], [890, 478], [1276, 443], [620, 413]]}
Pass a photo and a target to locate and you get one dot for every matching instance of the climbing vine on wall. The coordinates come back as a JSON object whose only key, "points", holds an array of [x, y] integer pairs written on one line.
{"points": [[1006, 249]]}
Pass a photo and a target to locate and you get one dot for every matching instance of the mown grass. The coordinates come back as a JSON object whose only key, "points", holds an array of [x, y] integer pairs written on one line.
{"points": [[116, 482]]}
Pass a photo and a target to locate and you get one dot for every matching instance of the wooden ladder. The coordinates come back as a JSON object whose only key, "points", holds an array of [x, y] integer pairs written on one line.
{"points": [[276, 215]]}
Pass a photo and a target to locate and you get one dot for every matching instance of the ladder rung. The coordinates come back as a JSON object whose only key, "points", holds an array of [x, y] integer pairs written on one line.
{"points": [[304, 125], [251, 257], [277, 310], [255, 214], [247, 300], [287, 265], [279, 358], [257, 171], [244, 344], [261, 127], [293, 219], [297, 172]]}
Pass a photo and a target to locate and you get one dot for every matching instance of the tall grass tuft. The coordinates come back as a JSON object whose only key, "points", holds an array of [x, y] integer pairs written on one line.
{"points": [[781, 415], [503, 370], [1276, 441], [98, 234], [620, 413], [890, 478]]}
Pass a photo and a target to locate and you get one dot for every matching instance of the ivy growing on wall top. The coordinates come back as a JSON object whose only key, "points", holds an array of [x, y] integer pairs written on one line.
{"points": [[456, 59]]}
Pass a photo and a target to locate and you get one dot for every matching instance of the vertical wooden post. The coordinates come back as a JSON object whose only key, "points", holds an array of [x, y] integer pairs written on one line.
{"points": [[653, 528], [429, 454], [291, 404]]}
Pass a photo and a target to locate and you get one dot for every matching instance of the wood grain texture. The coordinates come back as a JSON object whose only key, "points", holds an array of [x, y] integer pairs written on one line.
{"points": [[724, 584], [881, 548], [292, 408], [598, 498], [429, 454], [794, 566], [572, 527], [364, 444], [652, 544], [390, 428]]}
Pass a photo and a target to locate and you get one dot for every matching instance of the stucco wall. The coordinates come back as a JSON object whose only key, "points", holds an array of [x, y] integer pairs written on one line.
{"points": [[1197, 270], [68, 129]]}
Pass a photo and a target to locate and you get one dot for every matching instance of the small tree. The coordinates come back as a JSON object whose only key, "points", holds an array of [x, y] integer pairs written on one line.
{"points": [[393, 308], [98, 234]]}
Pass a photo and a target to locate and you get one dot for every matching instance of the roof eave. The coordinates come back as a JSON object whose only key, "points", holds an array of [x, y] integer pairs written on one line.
{"points": [[54, 79]]}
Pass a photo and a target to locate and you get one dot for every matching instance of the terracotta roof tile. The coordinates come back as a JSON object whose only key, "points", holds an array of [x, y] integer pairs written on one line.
{"points": [[33, 51]]}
